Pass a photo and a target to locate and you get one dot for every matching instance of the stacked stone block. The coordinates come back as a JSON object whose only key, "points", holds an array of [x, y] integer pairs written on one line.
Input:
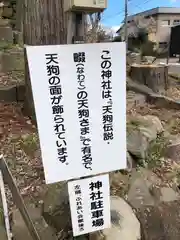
{"points": [[11, 44], [8, 22], [8, 11]]}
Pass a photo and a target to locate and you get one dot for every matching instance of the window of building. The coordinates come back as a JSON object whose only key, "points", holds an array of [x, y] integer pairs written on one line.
{"points": [[129, 21], [163, 44], [165, 22], [176, 22]]}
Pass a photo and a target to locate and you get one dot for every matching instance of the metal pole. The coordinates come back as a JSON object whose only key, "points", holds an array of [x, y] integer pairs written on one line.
{"points": [[76, 27], [126, 24], [168, 50], [5, 207]]}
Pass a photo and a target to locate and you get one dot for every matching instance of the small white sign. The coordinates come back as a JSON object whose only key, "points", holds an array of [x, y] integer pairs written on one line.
{"points": [[90, 204], [80, 100]]}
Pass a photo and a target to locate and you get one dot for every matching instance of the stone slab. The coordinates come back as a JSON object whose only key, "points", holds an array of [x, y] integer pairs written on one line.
{"points": [[6, 34], [8, 94], [14, 93], [20, 230], [7, 12], [4, 22], [139, 194], [160, 222], [168, 195], [12, 61], [7, 2], [173, 150], [56, 210]]}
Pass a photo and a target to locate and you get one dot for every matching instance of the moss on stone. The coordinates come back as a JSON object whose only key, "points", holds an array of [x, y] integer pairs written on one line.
{"points": [[6, 47], [156, 150], [134, 124]]}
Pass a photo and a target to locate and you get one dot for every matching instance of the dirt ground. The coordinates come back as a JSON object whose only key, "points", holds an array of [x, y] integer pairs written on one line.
{"points": [[20, 145], [11, 78]]}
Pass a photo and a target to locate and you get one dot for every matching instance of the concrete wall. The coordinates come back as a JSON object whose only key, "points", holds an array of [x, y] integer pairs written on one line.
{"points": [[163, 32], [133, 27]]}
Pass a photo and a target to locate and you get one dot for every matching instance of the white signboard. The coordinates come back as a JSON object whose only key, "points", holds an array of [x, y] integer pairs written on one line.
{"points": [[90, 204], [80, 100]]}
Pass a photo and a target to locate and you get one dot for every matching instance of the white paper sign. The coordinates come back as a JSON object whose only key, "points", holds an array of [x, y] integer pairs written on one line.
{"points": [[80, 100], [90, 204]]}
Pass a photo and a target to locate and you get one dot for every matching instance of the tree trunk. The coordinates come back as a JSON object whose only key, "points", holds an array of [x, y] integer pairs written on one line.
{"points": [[44, 24], [153, 76], [19, 15]]}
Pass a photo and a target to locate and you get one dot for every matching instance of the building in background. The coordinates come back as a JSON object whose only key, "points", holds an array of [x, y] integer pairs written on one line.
{"points": [[158, 21], [174, 48]]}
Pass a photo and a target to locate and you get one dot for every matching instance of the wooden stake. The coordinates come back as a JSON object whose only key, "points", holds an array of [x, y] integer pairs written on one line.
{"points": [[8, 178], [5, 207]]}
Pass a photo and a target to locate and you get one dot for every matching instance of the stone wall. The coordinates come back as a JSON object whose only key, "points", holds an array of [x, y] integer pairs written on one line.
{"points": [[11, 48], [8, 14], [11, 41], [8, 33], [8, 11]]}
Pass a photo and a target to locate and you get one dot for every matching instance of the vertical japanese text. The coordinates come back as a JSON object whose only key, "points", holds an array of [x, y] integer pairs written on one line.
{"points": [[97, 206], [106, 85], [83, 110], [55, 91]]}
